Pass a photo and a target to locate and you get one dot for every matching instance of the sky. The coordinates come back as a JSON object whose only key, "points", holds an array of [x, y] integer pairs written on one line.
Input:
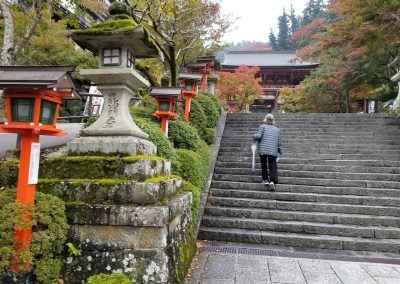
{"points": [[256, 17]]}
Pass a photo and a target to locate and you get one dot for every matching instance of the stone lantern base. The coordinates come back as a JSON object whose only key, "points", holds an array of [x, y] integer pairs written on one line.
{"points": [[111, 145]]}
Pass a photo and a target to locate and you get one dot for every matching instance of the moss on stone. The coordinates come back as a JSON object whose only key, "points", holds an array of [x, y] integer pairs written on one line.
{"points": [[93, 167], [162, 178], [134, 159], [109, 26], [183, 254]]}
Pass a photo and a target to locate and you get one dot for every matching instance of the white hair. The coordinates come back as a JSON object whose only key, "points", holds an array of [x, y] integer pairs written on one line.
{"points": [[269, 119]]}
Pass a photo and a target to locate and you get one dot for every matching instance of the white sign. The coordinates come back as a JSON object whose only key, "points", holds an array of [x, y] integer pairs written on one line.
{"points": [[34, 164]]}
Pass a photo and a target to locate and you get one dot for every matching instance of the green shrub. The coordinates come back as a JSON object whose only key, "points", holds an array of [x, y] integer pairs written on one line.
{"points": [[198, 118], [194, 165], [9, 173], [164, 147], [183, 135], [49, 229], [214, 98], [205, 157], [210, 134], [210, 109], [145, 109], [196, 192], [115, 278]]}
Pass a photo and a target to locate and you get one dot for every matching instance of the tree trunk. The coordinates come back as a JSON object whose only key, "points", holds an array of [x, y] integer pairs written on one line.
{"points": [[8, 40], [172, 65]]}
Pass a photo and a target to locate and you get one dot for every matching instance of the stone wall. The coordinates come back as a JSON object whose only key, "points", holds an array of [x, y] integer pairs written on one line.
{"points": [[123, 219]]}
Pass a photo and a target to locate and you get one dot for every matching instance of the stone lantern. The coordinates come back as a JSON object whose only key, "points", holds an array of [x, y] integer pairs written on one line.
{"points": [[166, 105], [395, 64], [190, 83], [116, 78]]}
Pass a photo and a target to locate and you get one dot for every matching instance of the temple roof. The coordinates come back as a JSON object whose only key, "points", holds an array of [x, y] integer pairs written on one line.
{"points": [[264, 59]]}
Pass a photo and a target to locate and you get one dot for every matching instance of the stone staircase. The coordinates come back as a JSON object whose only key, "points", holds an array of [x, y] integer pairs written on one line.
{"points": [[339, 184]]}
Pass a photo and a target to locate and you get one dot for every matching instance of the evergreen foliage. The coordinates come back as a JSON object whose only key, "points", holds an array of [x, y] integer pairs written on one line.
{"points": [[8, 173], [49, 230], [183, 135], [284, 36]]}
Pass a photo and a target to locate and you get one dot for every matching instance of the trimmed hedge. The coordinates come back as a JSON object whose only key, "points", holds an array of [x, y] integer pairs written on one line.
{"points": [[183, 135], [9, 173], [210, 109], [214, 98], [210, 134], [49, 230], [198, 118], [164, 147], [194, 165]]}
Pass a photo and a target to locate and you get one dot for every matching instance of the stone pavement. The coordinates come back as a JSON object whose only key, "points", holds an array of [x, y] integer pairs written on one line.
{"points": [[213, 267]]}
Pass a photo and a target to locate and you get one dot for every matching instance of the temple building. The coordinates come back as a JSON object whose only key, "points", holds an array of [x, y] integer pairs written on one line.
{"points": [[278, 69]]}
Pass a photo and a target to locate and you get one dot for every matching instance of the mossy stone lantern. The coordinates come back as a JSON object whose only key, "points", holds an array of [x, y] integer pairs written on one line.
{"points": [[190, 83], [118, 42], [166, 105], [33, 98]]}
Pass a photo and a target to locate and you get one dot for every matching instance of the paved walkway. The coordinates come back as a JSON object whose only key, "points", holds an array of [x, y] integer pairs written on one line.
{"points": [[212, 267]]}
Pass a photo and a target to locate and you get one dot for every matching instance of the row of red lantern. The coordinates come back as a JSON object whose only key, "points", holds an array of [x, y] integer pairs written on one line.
{"points": [[167, 98]]}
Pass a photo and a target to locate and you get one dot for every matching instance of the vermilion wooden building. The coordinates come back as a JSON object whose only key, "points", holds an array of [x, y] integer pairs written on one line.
{"points": [[278, 69]]}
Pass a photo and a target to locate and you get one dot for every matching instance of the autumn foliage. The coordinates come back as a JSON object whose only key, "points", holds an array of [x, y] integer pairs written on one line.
{"points": [[354, 41], [241, 86]]}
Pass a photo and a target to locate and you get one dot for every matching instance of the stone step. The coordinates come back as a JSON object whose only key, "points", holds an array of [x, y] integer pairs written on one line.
{"points": [[313, 174], [245, 140], [312, 167], [304, 149], [300, 189], [374, 232], [353, 131], [299, 240], [311, 181], [301, 216], [316, 145], [306, 197], [371, 156], [315, 160], [305, 206]]}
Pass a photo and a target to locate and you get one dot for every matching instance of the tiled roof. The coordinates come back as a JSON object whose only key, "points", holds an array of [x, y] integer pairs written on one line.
{"points": [[263, 58]]}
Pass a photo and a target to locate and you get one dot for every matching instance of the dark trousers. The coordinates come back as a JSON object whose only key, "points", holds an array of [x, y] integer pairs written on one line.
{"points": [[269, 165]]}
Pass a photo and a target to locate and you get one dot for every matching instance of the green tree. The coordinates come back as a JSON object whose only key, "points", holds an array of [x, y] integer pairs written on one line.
{"points": [[312, 10], [284, 37], [180, 26], [272, 40]]}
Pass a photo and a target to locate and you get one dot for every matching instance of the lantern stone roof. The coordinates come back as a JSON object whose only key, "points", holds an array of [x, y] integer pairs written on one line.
{"points": [[170, 92], [197, 65], [119, 32], [190, 77], [264, 59], [36, 77]]}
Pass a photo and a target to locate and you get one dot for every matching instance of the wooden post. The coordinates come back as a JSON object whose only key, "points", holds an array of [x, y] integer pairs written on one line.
{"points": [[187, 107]]}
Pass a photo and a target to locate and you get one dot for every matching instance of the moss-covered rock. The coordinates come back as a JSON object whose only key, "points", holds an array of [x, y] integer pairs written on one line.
{"points": [[98, 167], [111, 191]]}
